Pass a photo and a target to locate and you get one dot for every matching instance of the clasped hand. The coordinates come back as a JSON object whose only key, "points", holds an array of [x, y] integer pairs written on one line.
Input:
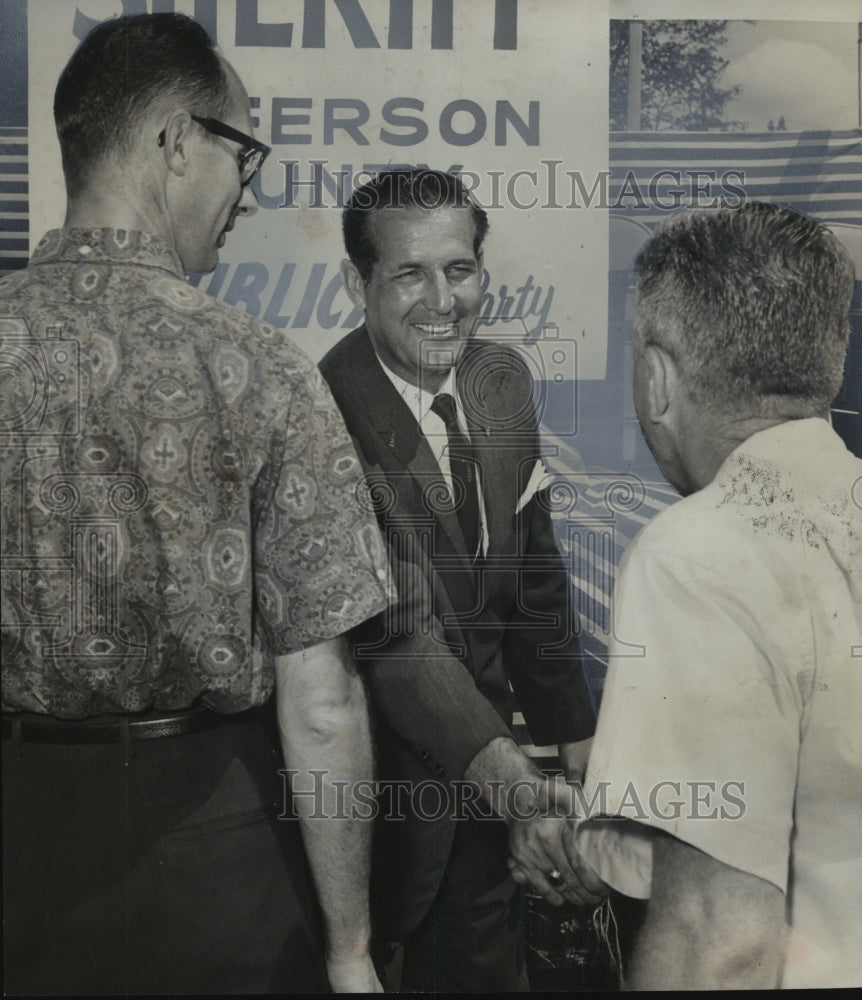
{"points": [[542, 848]]}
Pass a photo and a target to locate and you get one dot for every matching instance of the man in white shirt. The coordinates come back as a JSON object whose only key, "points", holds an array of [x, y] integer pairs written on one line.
{"points": [[725, 782]]}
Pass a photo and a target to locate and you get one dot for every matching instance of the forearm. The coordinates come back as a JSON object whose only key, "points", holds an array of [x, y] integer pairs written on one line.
{"points": [[507, 779], [418, 687], [325, 738], [673, 953], [708, 926]]}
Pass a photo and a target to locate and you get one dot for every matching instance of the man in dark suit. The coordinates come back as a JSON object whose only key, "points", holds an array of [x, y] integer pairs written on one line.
{"points": [[446, 431]]}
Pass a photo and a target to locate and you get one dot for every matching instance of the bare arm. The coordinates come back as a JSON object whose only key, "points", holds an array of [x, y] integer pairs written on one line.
{"points": [[324, 728], [708, 926]]}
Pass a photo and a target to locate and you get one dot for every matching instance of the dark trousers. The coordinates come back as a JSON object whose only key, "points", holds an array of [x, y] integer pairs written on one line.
{"points": [[169, 873], [472, 938]]}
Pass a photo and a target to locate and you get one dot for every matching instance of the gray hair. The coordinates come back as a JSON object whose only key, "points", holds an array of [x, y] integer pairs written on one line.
{"points": [[752, 303]]}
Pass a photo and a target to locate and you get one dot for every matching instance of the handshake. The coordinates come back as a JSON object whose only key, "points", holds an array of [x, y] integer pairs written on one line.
{"points": [[542, 818], [542, 849]]}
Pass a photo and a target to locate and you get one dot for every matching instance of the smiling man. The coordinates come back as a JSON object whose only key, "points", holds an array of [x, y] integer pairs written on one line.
{"points": [[445, 428], [156, 591], [422, 296]]}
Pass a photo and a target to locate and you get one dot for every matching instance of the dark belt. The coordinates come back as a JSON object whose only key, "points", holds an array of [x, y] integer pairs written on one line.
{"points": [[27, 727]]}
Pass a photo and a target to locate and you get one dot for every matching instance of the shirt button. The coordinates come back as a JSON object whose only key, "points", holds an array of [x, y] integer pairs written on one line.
{"points": [[426, 755]]}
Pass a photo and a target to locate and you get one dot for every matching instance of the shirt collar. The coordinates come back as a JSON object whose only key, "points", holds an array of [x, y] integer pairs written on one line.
{"points": [[106, 246], [803, 450], [419, 400]]}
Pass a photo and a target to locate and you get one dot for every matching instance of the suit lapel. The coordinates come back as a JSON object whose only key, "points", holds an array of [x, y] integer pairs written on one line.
{"points": [[400, 446]]}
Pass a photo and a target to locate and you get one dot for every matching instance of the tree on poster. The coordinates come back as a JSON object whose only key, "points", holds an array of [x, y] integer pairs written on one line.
{"points": [[681, 87]]}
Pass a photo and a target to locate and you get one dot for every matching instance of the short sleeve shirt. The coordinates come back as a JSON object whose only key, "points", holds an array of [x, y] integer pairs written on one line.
{"points": [[180, 499], [732, 711]]}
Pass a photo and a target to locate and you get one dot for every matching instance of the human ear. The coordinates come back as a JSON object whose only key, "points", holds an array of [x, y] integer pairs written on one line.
{"points": [[353, 282], [661, 382], [174, 142]]}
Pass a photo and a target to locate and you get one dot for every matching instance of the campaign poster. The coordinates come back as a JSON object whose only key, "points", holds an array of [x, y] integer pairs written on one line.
{"points": [[575, 164]]}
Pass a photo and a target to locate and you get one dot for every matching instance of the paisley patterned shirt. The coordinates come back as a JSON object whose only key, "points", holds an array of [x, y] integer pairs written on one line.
{"points": [[179, 494]]}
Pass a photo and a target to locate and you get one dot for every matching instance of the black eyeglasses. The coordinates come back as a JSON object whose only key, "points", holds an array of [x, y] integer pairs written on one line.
{"points": [[250, 157]]}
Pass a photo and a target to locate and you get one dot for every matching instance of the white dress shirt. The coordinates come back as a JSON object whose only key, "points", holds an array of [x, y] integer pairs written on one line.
{"points": [[432, 426]]}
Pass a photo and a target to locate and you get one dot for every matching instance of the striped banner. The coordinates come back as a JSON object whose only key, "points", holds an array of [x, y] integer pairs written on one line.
{"points": [[818, 173], [14, 198]]}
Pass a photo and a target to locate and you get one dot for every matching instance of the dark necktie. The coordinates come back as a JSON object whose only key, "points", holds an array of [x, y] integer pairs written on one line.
{"points": [[462, 465]]}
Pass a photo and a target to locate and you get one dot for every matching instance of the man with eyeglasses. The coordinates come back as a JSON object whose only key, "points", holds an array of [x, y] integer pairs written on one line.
{"points": [[182, 540]]}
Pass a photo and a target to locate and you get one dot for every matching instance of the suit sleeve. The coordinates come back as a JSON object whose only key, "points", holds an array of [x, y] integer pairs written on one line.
{"points": [[541, 647], [417, 685]]}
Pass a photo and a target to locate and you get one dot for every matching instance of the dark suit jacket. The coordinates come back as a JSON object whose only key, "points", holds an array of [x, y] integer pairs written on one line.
{"points": [[438, 666]]}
